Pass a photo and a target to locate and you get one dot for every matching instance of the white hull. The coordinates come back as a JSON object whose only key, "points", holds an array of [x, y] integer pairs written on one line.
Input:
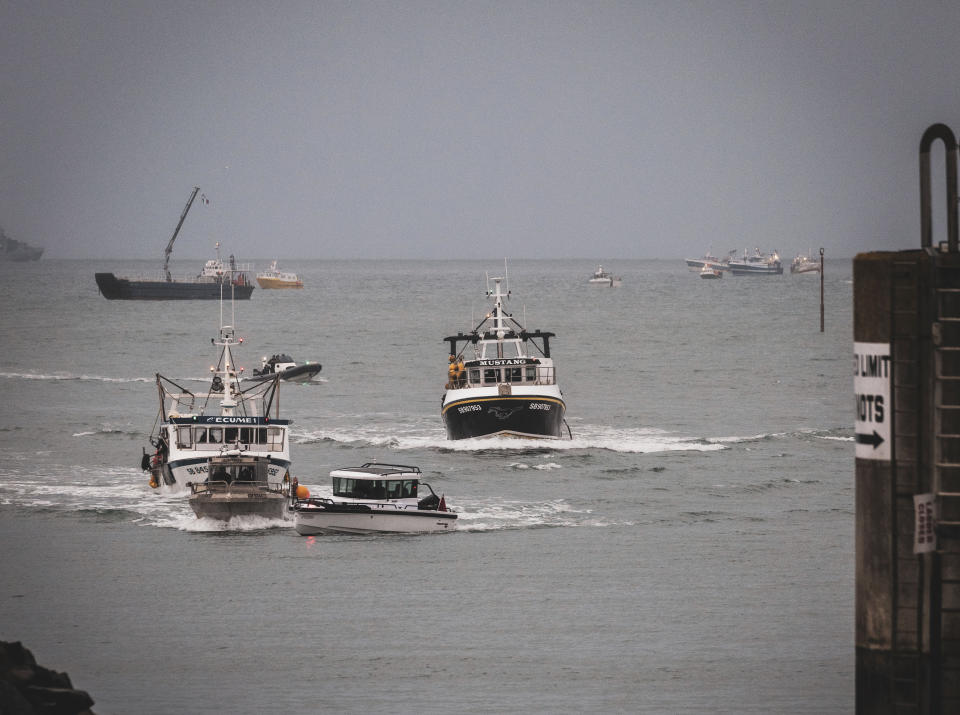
{"points": [[192, 467], [411, 521]]}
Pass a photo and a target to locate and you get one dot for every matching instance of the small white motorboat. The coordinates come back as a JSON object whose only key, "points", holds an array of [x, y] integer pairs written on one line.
{"points": [[602, 277], [374, 498], [709, 272]]}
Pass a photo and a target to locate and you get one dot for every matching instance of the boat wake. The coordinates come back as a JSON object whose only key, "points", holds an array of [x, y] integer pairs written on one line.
{"points": [[68, 376], [588, 437], [117, 494]]}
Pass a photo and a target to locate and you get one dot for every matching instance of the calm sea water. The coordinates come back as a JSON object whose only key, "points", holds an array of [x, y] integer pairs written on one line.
{"points": [[690, 550]]}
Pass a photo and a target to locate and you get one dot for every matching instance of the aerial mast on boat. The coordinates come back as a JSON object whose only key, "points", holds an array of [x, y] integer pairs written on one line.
{"points": [[169, 249]]}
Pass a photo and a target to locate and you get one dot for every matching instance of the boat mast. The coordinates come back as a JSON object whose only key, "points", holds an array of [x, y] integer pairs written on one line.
{"points": [[169, 248]]}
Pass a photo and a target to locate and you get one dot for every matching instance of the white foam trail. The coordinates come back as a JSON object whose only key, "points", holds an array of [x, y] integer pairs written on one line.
{"points": [[88, 378], [625, 440]]}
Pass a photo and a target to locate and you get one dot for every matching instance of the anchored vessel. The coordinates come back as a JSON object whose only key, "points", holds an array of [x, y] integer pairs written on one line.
{"points": [[275, 278], [13, 250], [209, 285], [288, 370], [227, 418], [758, 264], [710, 261], [374, 498], [803, 263], [238, 484], [502, 388], [602, 277]]}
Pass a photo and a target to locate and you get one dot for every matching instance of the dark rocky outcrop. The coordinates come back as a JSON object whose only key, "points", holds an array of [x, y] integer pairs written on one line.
{"points": [[30, 689]]}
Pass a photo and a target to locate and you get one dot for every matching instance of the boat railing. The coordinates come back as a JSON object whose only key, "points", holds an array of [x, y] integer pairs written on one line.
{"points": [[161, 277], [489, 376], [224, 485]]}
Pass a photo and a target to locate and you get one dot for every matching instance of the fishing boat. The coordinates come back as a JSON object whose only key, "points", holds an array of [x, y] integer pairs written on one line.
{"points": [[374, 498], [13, 250], [210, 284], [193, 426], [602, 277], [757, 264], [708, 259], [275, 278], [803, 263], [238, 484], [288, 370], [710, 273], [501, 381]]}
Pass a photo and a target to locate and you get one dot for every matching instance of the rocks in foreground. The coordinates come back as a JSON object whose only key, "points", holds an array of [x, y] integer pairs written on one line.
{"points": [[30, 689]]}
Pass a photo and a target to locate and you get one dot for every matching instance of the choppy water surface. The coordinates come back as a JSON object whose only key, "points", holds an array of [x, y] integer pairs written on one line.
{"points": [[689, 550]]}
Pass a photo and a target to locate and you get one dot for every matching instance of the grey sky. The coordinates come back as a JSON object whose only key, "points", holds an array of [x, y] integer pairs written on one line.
{"points": [[471, 129]]}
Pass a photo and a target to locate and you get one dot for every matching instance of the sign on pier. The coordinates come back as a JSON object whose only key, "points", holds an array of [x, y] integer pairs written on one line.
{"points": [[871, 383]]}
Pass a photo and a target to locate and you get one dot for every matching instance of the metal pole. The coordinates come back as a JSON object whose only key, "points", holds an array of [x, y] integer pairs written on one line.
{"points": [[821, 289]]}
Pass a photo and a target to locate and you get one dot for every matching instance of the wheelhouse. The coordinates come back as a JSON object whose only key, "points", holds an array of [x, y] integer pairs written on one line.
{"points": [[376, 482]]}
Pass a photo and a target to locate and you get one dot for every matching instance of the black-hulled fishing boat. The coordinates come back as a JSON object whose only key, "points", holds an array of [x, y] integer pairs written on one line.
{"points": [[506, 384], [213, 281]]}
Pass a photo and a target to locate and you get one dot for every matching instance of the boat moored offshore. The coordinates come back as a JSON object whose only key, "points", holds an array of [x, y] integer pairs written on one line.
{"points": [[502, 387], [757, 264], [213, 281], [275, 278]]}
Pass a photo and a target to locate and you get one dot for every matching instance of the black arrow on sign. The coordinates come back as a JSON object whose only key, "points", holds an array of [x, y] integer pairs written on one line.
{"points": [[874, 439]]}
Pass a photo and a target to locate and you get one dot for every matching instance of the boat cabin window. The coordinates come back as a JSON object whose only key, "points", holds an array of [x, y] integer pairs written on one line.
{"points": [[374, 488], [274, 438], [215, 435], [474, 376], [531, 374], [490, 375], [513, 374], [232, 473]]}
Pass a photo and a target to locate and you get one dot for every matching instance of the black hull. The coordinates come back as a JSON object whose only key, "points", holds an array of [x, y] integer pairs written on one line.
{"points": [[534, 416], [114, 288], [300, 373]]}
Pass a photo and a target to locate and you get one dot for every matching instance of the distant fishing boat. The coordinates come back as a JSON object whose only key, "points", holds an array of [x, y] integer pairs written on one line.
{"points": [[17, 251], [275, 278], [213, 282], [803, 263], [757, 264]]}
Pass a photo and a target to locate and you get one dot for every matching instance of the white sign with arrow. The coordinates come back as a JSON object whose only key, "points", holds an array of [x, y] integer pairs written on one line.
{"points": [[871, 383]]}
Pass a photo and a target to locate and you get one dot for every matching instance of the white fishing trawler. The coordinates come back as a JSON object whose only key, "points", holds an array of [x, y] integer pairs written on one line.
{"points": [[804, 263], [602, 277], [501, 381], [227, 417], [374, 498]]}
